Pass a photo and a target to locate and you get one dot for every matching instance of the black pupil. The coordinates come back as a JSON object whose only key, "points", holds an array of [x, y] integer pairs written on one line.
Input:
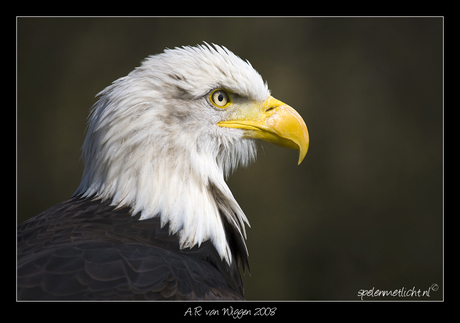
{"points": [[220, 97]]}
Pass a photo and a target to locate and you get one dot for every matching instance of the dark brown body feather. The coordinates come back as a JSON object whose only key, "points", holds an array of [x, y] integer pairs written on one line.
{"points": [[87, 249]]}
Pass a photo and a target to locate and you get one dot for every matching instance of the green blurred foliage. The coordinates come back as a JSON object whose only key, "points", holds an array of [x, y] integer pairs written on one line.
{"points": [[364, 209]]}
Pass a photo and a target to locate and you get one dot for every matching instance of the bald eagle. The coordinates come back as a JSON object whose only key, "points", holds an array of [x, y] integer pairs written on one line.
{"points": [[153, 217]]}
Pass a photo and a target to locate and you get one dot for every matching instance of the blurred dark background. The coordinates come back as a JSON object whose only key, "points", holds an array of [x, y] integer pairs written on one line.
{"points": [[364, 209]]}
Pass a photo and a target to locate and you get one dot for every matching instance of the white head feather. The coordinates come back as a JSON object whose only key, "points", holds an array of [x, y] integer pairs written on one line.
{"points": [[152, 142]]}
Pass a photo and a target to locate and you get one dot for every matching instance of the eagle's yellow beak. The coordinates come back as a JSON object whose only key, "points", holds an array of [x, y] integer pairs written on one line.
{"points": [[272, 121]]}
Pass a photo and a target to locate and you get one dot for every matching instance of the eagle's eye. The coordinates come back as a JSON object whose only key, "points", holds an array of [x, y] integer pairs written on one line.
{"points": [[220, 98]]}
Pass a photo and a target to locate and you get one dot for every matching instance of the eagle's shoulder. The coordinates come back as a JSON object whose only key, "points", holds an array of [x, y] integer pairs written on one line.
{"points": [[88, 249]]}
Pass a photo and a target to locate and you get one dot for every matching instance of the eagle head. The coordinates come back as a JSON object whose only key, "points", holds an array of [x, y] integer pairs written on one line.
{"points": [[161, 140]]}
